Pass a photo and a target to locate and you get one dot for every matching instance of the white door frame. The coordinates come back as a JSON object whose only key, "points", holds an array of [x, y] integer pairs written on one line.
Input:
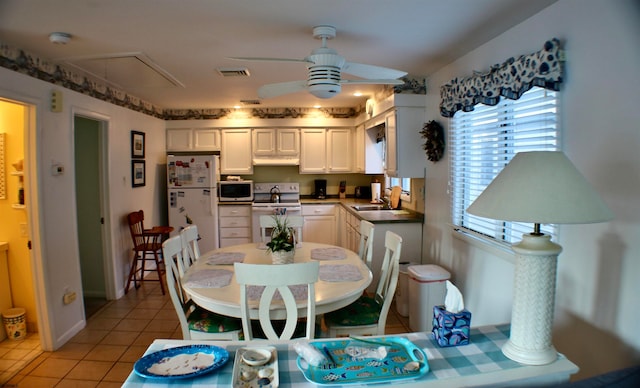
{"points": [[33, 107], [108, 264]]}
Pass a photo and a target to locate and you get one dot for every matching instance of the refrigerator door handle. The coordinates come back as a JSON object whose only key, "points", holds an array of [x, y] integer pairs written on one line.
{"points": [[212, 202]]}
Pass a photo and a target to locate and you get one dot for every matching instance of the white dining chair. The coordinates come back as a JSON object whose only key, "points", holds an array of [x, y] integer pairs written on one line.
{"points": [[196, 322], [277, 278], [190, 247], [366, 242], [368, 315], [295, 222]]}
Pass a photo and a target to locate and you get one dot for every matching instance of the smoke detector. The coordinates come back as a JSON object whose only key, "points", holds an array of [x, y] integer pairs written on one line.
{"points": [[59, 37]]}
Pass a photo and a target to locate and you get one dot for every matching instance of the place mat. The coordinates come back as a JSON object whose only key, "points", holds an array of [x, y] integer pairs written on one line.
{"points": [[209, 278], [339, 273], [299, 292], [328, 254], [219, 258]]}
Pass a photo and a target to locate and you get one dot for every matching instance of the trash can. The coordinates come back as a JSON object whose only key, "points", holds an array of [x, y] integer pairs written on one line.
{"points": [[402, 292], [427, 288], [15, 323]]}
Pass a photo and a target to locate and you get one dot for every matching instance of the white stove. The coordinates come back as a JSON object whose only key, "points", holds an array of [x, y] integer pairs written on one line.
{"points": [[289, 194]]}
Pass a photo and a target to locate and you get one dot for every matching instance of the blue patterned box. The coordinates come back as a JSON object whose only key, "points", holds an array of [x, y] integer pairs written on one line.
{"points": [[451, 329]]}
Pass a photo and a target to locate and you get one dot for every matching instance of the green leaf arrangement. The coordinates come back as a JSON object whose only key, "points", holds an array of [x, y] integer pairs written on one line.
{"points": [[282, 238]]}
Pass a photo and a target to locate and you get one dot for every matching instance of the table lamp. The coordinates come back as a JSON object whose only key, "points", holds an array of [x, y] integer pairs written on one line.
{"points": [[541, 187]]}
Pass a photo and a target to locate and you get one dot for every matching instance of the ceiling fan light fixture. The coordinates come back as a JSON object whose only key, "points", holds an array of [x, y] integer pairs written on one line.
{"points": [[325, 90], [59, 37]]}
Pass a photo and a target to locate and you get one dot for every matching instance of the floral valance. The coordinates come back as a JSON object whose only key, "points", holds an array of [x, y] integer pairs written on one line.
{"points": [[510, 79]]}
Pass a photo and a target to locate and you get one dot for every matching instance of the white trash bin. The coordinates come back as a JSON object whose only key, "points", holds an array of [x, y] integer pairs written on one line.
{"points": [[427, 288], [15, 323], [402, 292]]}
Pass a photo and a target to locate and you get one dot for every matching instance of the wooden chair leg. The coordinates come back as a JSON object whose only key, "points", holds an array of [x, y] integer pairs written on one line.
{"points": [[159, 270], [132, 273]]}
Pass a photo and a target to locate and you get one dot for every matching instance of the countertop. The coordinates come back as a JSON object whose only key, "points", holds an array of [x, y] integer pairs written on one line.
{"points": [[373, 216]]}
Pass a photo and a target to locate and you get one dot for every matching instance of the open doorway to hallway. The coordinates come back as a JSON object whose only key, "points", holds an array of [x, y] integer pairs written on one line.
{"points": [[88, 149]]}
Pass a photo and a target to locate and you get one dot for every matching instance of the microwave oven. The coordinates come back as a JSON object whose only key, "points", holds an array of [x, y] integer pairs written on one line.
{"points": [[235, 191]]}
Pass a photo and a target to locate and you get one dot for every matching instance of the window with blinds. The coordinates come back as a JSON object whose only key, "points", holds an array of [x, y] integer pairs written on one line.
{"points": [[481, 144]]}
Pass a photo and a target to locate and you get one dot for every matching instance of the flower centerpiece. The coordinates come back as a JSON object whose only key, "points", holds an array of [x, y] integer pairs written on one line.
{"points": [[282, 244]]}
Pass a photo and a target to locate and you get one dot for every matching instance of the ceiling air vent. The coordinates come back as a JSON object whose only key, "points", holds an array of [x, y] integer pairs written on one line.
{"points": [[233, 71], [250, 102]]}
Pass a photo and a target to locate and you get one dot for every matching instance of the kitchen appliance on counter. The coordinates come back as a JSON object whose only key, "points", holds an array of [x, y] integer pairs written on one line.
{"points": [[191, 181], [320, 189], [264, 202], [235, 191], [362, 192]]}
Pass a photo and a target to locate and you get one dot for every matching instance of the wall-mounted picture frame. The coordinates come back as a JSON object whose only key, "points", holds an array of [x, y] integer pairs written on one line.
{"points": [[137, 173], [137, 144]]}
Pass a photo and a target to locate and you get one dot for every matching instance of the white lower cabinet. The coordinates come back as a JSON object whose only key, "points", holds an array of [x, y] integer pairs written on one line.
{"points": [[319, 224], [235, 224], [411, 233]]}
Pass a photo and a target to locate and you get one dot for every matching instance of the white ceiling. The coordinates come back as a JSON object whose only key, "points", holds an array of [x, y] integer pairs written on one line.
{"points": [[187, 40]]}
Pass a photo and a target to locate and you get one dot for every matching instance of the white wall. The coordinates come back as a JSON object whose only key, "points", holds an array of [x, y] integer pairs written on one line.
{"points": [[597, 304], [57, 193]]}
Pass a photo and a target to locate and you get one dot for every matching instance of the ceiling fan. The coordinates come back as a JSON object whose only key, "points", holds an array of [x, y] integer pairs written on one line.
{"points": [[325, 68]]}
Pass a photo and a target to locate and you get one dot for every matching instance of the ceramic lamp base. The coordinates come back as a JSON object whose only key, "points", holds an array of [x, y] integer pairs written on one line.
{"points": [[533, 301]]}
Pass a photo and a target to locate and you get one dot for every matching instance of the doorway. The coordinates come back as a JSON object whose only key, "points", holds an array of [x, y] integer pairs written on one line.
{"points": [[88, 151]]}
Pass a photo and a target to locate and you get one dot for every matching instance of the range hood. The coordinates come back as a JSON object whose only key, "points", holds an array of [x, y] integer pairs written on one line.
{"points": [[276, 161]]}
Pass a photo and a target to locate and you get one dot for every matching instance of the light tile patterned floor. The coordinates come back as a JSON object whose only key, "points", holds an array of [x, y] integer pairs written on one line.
{"points": [[103, 353]]}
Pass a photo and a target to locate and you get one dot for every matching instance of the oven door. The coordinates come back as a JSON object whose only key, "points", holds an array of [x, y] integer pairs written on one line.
{"points": [[269, 209]]}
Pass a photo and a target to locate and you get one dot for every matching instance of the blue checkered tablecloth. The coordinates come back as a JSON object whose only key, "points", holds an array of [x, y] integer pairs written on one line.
{"points": [[464, 365]]}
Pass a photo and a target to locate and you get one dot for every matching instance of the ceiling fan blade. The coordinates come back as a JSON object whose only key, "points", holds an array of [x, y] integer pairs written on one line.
{"points": [[372, 81], [371, 71], [260, 59], [278, 89]]}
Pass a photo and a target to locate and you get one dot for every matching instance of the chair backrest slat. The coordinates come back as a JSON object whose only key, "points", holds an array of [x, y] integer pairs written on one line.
{"points": [[277, 278], [295, 222], [190, 247], [366, 242]]}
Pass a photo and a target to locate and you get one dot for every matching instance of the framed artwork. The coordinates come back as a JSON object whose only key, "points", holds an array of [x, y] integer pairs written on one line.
{"points": [[137, 144], [137, 173]]}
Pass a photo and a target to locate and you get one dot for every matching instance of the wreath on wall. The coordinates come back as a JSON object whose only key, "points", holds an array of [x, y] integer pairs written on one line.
{"points": [[434, 144]]}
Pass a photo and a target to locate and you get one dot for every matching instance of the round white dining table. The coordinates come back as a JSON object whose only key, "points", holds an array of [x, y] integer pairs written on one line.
{"points": [[330, 295]]}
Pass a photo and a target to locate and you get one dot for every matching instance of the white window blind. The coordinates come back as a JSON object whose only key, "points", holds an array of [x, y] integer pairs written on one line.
{"points": [[481, 144]]}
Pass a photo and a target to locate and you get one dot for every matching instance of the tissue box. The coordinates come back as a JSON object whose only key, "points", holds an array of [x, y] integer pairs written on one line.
{"points": [[451, 329]]}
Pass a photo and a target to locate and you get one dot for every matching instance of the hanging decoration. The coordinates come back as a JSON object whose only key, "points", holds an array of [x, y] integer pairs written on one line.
{"points": [[510, 79], [434, 144]]}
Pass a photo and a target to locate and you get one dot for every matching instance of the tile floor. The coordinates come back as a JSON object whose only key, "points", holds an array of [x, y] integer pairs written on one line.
{"points": [[103, 353]]}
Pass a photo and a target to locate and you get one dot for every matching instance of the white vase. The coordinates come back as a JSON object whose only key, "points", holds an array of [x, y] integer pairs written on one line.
{"points": [[282, 257]]}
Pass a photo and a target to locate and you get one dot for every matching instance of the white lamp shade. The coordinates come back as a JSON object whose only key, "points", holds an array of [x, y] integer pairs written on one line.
{"points": [[541, 187]]}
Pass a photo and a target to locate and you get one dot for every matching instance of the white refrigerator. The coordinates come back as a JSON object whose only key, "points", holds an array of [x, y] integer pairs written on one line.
{"points": [[193, 196]]}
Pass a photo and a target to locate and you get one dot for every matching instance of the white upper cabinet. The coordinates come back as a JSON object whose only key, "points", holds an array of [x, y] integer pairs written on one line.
{"points": [[235, 153], [326, 150], [369, 151], [405, 157], [340, 152], [193, 139], [275, 147], [313, 151]]}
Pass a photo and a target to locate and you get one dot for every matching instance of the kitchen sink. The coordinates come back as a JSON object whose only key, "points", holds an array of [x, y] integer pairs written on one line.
{"points": [[368, 207]]}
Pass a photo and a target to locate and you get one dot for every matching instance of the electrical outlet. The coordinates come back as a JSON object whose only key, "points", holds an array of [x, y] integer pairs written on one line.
{"points": [[23, 230], [69, 297]]}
